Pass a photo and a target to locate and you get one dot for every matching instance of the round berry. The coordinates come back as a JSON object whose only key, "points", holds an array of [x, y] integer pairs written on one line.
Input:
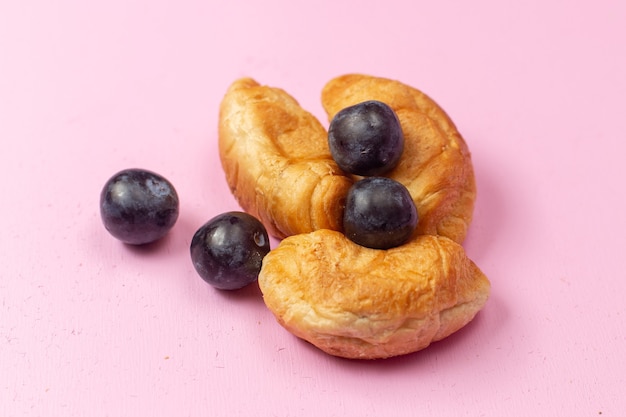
{"points": [[228, 250], [379, 213], [138, 206], [366, 139]]}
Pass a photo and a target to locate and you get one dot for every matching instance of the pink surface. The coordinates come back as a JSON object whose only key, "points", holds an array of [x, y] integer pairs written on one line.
{"points": [[91, 327]]}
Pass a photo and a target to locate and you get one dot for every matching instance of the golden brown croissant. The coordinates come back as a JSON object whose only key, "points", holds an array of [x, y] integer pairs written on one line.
{"points": [[435, 165], [356, 302], [277, 162]]}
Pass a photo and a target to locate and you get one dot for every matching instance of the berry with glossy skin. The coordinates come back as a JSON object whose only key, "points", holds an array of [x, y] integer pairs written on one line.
{"points": [[138, 206], [228, 250], [379, 213], [366, 139]]}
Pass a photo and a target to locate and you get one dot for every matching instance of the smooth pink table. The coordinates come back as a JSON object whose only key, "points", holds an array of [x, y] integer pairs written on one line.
{"points": [[90, 327]]}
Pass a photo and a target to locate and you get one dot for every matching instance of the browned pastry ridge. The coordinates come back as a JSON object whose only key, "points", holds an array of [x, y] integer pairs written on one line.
{"points": [[348, 300]]}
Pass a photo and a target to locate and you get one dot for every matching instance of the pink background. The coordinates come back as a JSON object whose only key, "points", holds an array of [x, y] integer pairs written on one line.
{"points": [[89, 327]]}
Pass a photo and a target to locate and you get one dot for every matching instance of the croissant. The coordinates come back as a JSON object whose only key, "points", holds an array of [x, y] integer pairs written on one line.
{"points": [[355, 302], [435, 165], [277, 162]]}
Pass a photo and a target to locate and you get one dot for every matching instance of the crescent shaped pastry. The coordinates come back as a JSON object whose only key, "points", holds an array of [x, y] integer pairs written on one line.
{"points": [[361, 303], [277, 162], [435, 165]]}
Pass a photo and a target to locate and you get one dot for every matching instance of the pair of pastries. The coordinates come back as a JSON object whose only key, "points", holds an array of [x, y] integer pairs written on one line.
{"points": [[346, 299]]}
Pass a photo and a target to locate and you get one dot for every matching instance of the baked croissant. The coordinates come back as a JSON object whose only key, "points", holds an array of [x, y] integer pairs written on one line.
{"points": [[277, 161], [355, 302], [435, 165]]}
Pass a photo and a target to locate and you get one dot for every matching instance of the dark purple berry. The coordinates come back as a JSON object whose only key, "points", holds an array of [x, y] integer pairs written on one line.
{"points": [[366, 139], [228, 250], [379, 213], [138, 206]]}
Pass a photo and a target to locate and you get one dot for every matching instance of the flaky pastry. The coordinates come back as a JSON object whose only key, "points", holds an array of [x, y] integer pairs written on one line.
{"points": [[277, 161], [435, 166], [355, 302]]}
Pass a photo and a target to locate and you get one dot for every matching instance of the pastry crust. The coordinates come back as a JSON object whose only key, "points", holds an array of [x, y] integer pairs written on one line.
{"points": [[355, 302], [435, 165], [277, 162]]}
